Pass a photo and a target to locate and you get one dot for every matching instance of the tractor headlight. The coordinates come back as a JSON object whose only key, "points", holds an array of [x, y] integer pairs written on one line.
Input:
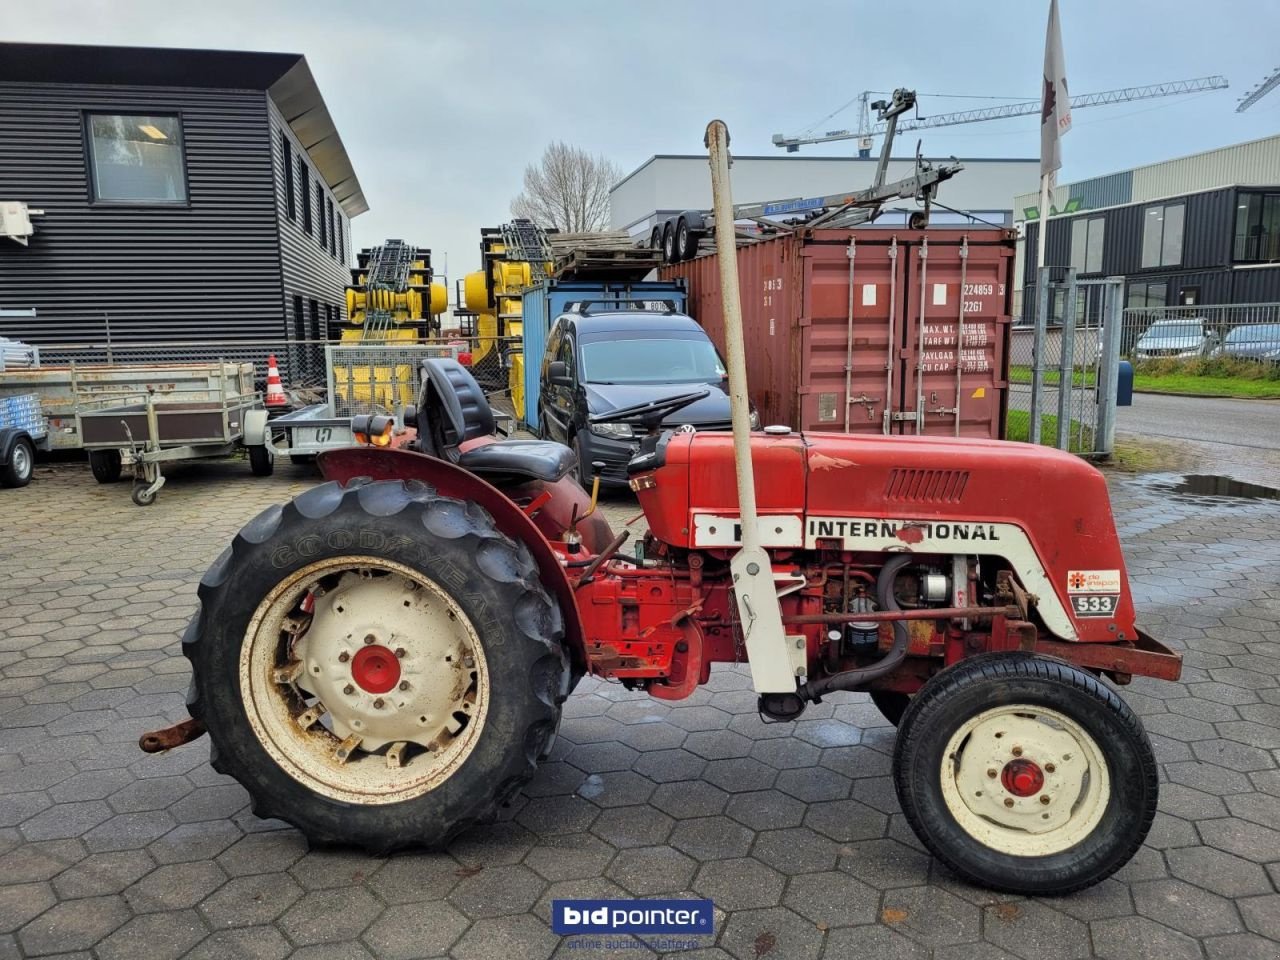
{"points": [[614, 431]]}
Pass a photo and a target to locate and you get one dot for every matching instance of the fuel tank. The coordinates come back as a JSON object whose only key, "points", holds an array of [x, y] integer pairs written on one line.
{"points": [[1045, 512]]}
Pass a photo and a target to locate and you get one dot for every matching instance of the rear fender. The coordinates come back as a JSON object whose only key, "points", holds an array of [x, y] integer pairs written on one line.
{"points": [[9, 437], [397, 464]]}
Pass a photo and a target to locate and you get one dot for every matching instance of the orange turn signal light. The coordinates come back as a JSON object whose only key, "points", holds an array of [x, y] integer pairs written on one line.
{"points": [[372, 429]]}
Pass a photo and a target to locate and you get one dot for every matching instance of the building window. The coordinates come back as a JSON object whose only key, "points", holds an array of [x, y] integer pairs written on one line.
{"points": [[1162, 235], [333, 243], [320, 211], [1154, 294], [304, 180], [1086, 244], [342, 234], [1257, 227], [299, 320], [290, 201], [315, 320], [137, 158]]}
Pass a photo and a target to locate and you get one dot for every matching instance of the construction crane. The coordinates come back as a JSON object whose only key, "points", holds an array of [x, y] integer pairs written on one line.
{"points": [[1265, 87], [867, 130]]}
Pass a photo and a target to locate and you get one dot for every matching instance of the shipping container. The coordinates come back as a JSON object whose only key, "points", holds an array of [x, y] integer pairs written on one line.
{"points": [[869, 330], [546, 300]]}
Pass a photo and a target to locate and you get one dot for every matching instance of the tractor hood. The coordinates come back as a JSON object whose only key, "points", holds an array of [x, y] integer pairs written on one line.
{"points": [[1046, 512]]}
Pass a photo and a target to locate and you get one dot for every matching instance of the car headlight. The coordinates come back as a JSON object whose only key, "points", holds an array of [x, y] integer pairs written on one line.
{"points": [[614, 431], [754, 420]]}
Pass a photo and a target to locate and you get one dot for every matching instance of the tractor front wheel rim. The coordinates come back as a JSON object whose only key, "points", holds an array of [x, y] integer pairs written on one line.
{"points": [[1025, 780], [364, 680]]}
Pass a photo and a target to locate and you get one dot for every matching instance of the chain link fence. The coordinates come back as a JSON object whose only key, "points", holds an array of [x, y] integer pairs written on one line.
{"points": [[1247, 333]]}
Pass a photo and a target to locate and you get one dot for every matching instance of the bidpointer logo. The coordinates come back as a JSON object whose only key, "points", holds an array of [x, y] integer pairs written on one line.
{"points": [[689, 917]]}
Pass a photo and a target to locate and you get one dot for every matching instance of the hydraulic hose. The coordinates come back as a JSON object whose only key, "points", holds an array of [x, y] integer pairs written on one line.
{"points": [[853, 679]]}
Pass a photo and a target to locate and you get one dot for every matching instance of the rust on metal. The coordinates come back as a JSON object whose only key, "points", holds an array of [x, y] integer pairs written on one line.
{"points": [[158, 741], [1147, 657]]}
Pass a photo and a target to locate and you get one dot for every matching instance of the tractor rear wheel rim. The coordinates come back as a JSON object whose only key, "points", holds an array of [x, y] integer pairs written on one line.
{"points": [[364, 680], [1025, 780]]}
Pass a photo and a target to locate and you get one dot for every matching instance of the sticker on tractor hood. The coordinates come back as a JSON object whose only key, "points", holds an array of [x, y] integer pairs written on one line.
{"points": [[1093, 581]]}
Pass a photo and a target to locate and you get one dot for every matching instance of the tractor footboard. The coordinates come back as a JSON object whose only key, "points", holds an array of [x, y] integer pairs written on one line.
{"points": [[1146, 657]]}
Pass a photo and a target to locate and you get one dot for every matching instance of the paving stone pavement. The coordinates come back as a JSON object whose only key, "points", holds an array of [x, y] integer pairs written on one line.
{"points": [[793, 830]]}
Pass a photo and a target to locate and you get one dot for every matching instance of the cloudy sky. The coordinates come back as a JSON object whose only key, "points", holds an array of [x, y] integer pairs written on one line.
{"points": [[441, 104]]}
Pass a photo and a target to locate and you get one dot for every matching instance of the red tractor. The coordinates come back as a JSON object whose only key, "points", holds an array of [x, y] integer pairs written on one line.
{"points": [[382, 661]]}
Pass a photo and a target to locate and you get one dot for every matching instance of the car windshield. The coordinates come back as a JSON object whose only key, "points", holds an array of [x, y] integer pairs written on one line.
{"points": [[1256, 332], [1189, 328], [650, 360]]}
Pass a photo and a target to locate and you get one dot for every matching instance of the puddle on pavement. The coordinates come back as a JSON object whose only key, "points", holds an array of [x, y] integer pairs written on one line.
{"points": [[1218, 487]]}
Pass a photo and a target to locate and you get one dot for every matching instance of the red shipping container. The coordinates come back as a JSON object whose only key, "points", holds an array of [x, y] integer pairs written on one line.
{"points": [[915, 355]]}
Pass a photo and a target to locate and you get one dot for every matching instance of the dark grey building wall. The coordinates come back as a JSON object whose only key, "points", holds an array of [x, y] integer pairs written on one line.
{"points": [[309, 269], [209, 269]]}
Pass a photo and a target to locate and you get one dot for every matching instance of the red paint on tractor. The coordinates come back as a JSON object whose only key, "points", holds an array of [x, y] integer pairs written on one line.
{"points": [[910, 534], [1022, 777]]}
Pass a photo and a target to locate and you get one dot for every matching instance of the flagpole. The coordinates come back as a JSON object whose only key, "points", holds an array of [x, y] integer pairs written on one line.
{"points": [[1042, 317]]}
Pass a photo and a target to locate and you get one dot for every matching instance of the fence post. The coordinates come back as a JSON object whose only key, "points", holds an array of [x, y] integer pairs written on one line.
{"points": [[1067, 363], [1037, 353], [1104, 434]]}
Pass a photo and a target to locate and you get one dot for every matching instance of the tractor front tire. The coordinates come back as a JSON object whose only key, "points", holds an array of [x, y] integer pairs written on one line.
{"points": [[377, 664], [1025, 774]]}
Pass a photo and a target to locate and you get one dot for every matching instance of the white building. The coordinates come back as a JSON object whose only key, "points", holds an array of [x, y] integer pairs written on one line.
{"points": [[667, 184]]}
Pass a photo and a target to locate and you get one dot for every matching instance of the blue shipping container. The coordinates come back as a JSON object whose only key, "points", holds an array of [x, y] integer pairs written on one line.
{"points": [[550, 298]]}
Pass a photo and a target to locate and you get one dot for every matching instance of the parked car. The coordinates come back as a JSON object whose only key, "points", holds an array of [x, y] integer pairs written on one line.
{"points": [[1176, 338], [1252, 341], [596, 363]]}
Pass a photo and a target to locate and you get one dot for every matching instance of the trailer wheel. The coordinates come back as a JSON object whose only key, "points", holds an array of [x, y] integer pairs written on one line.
{"points": [[891, 704], [1025, 774], [376, 664], [261, 460], [686, 242], [669, 254], [655, 238], [17, 472], [142, 494], [106, 465]]}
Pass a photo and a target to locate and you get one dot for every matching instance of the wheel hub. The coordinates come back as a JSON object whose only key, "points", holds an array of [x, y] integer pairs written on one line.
{"points": [[389, 662], [375, 669], [1021, 777]]}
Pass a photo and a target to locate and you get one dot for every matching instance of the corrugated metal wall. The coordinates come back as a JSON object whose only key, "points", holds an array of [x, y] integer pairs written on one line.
{"points": [[310, 270], [205, 270], [1105, 191], [1255, 162]]}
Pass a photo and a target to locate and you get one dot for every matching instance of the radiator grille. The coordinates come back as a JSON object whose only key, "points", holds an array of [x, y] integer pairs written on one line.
{"points": [[934, 486]]}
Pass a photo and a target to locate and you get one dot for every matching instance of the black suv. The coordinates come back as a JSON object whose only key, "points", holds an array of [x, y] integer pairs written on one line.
{"points": [[598, 362]]}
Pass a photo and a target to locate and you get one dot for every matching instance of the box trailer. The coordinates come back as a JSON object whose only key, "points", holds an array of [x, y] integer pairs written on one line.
{"points": [[873, 330]]}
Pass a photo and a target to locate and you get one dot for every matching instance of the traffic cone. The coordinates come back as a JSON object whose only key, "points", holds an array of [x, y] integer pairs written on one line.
{"points": [[275, 389]]}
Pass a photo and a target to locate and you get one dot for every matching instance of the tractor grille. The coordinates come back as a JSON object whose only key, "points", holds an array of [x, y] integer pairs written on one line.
{"points": [[935, 486]]}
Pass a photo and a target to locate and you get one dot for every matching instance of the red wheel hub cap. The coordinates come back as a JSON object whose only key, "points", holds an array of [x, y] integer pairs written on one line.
{"points": [[1022, 778], [375, 669]]}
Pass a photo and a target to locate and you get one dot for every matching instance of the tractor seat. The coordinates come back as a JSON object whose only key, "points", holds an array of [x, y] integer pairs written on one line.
{"points": [[453, 409], [525, 459]]}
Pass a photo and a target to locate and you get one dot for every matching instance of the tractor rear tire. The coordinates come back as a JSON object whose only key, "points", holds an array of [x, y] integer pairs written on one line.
{"points": [[106, 465], [891, 704], [334, 545], [1025, 774]]}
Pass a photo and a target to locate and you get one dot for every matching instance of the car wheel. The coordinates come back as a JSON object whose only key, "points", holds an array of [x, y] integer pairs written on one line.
{"points": [[581, 468]]}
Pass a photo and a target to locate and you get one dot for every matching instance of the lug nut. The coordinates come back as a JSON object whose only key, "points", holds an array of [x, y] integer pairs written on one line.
{"points": [[404, 684], [1044, 798], [348, 689], [1049, 768], [992, 773], [370, 638], [1016, 751], [400, 652], [379, 703], [1008, 801], [343, 657]]}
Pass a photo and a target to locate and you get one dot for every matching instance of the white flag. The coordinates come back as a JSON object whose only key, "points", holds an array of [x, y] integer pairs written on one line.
{"points": [[1055, 102]]}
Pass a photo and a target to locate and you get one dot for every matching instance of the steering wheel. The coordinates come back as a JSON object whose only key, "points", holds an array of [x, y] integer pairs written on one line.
{"points": [[652, 414]]}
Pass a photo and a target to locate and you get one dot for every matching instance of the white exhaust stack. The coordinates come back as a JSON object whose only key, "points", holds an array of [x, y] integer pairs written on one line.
{"points": [[753, 586]]}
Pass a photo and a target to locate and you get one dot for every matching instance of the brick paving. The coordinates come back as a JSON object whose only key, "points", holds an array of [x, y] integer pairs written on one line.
{"points": [[793, 830]]}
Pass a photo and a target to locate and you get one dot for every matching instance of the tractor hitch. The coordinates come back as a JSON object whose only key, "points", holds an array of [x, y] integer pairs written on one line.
{"points": [[157, 741]]}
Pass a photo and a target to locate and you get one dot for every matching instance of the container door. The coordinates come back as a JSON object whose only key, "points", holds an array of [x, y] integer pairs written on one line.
{"points": [[847, 373], [954, 338]]}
